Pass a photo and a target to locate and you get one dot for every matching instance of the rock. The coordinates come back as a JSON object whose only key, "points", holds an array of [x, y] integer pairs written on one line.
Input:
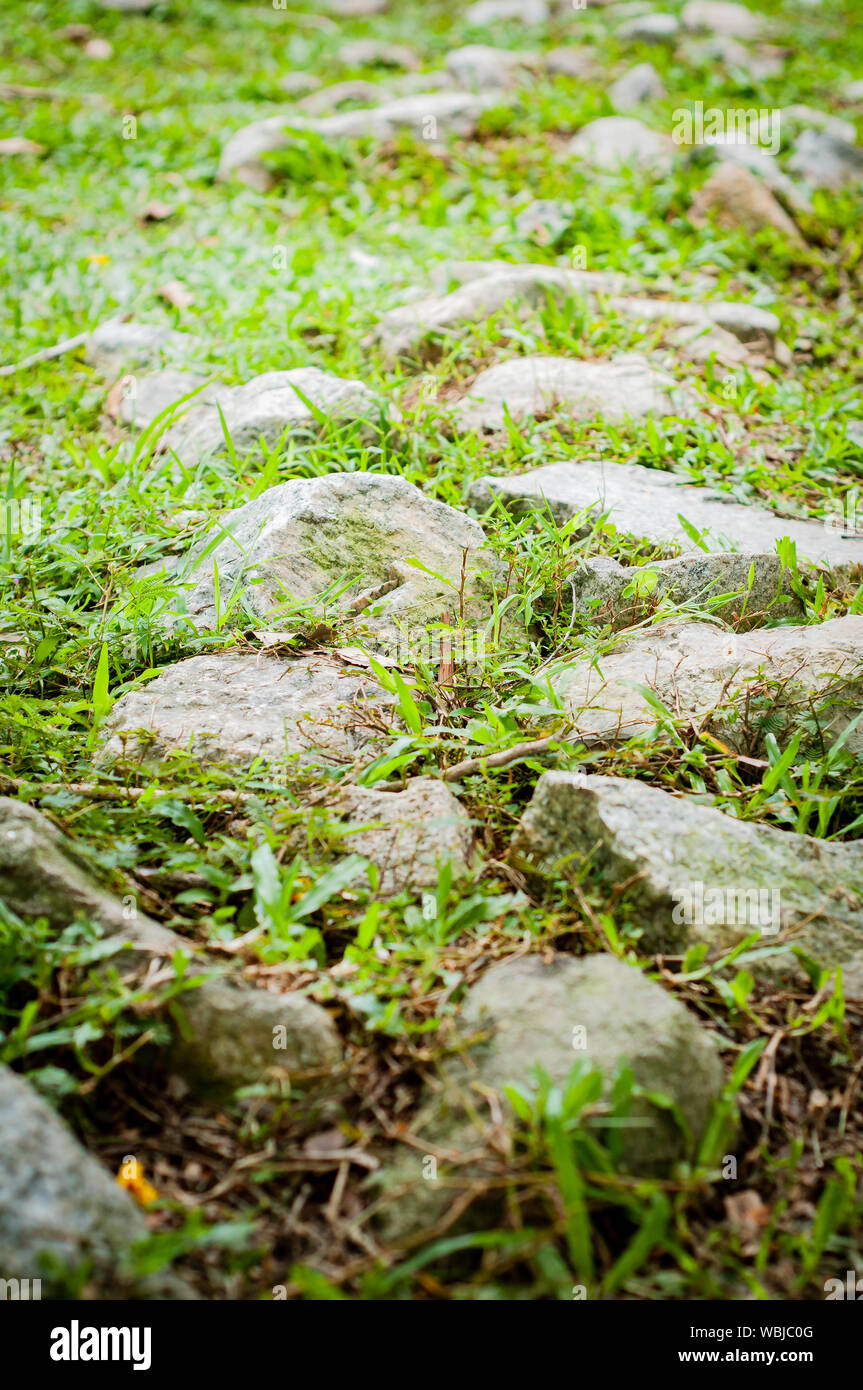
{"points": [[18, 144], [734, 56], [821, 120], [357, 9], [488, 288], [143, 398], [825, 161], [357, 533], [738, 199], [568, 62], [720, 17], [527, 12], [299, 84], [617, 142], [529, 386], [695, 874], [264, 408], [233, 708], [528, 1011], [544, 220], [230, 1023], [406, 832], [430, 116], [648, 503], [98, 49], [337, 94], [853, 92], [116, 347], [650, 28], [362, 53], [59, 1208], [640, 84], [624, 595], [735, 684], [761, 163], [747, 322], [478, 65], [128, 6]]}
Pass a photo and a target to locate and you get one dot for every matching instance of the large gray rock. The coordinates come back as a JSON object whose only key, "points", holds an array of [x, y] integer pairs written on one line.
{"points": [[623, 595], [826, 161], [722, 17], [116, 347], [431, 116], [143, 398], [640, 84], [264, 408], [228, 1039], [697, 875], [529, 1013], [530, 386], [233, 708], [736, 685], [649, 502], [358, 532], [59, 1208], [405, 833], [622, 142], [737, 198]]}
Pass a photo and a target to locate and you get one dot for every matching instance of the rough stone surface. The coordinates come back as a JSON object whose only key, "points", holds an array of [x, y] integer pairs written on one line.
{"points": [[722, 17], [57, 1203], [737, 198], [527, 386], [526, 1010], [640, 84], [406, 832], [479, 65], [648, 502], [116, 347], [452, 113], [623, 595], [301, 538], [825, 161], [264, 408], [231, 1023], [650, 28], [145, 397], [664, 846], [233, 708], [618, 142], [735, 684]]}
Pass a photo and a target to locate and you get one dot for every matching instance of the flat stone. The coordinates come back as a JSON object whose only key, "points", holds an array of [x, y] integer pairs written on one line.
{"points": [[623, 595], [648, 503], [527, 12], [529, 1014], [721, 17], [233, 708], [707, 676], [650, 28], [695, 874], [359, 533], [617, 142], [640, 84], [737, 198], [145, 397], [825, 161], [116, 347], [264, 408], [230, 1023], [429, 116], [405, 833], [529, 386], [58, 1205]]}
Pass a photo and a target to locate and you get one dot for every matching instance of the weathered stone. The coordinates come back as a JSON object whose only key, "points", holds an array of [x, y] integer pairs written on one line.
{"points": [[825, 161], [60, 1210], [528, 386], [405, 833], [761, 163], [143, 398], [232, 708], [116, 347], [478, 65], [425, 115], [264, 408], [617, 142], [527, 12], [358, 533], [360, 53], [228, 1041], [738, 198], [526, 1011], [695, 874], [650, 28], [734, 684], [623, 595], [649, 502], [568, 62], [722, 17], [640, 84], [745, 321]]}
